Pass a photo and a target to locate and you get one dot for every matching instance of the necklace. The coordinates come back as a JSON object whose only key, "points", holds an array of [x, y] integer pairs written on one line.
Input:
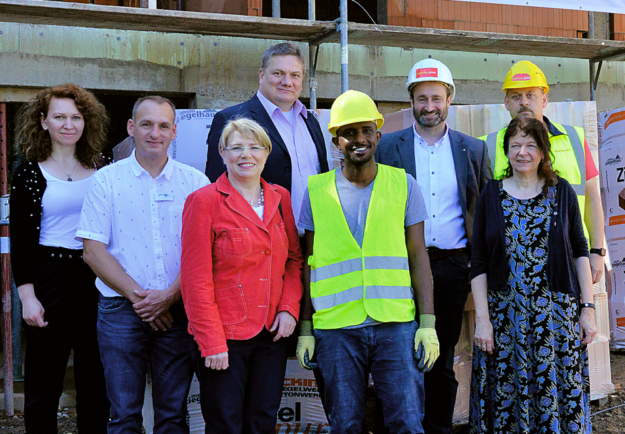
{"points": [[260, 201], [69, 175]]}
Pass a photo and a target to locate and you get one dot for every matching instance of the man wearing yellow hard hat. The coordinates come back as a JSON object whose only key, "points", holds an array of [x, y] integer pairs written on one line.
{"points": [[527, 92], [366, 273]]}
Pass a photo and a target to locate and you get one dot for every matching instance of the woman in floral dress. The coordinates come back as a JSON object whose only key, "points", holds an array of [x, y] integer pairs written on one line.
{"points": [[532, 287]]}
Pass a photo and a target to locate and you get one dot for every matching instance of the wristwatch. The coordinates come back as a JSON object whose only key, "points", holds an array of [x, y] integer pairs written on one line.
{"points": [[600, 252]]}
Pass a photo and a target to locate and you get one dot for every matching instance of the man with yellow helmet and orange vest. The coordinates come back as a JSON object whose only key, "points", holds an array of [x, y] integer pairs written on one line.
{"points": [[367, 269], [527, 91]]}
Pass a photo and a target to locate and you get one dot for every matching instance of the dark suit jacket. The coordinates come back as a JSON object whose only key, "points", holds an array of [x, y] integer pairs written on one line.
{"points": [[278, 167], [470, 161]]}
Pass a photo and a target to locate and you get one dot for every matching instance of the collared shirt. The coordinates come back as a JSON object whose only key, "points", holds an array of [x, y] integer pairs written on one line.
{"points": [[139, 218], [299, 143], [436, 176]]}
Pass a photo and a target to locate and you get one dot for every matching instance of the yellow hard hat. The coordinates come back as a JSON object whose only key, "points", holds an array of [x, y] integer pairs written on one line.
{"points": [[525, 74], [351, 107]]}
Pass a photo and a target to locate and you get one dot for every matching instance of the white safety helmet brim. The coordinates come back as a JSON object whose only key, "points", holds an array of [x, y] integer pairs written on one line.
{"points": [[431, 70]]}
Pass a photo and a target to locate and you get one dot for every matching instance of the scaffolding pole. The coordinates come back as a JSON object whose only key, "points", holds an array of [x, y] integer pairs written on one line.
{"points": [[344, 48], [275, 8], [312, 60], [9, 404]]}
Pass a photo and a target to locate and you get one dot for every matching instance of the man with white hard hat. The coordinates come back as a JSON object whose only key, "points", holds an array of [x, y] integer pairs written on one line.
{"points": [[527, 92], [367, 270], [451, 169]]}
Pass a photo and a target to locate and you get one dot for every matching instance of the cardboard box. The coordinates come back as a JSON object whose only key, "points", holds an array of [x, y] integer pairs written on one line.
{"points": [[616, 281], [301, 410], [600, 374], [612, 172], [603, 320]]}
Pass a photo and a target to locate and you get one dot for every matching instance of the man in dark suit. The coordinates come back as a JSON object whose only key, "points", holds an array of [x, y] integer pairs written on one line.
{"points": [[298, 147], [451, 169]]}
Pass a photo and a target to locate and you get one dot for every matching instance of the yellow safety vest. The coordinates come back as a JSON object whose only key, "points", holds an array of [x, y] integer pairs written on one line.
{"points": [[349, 283], [567, 157]]}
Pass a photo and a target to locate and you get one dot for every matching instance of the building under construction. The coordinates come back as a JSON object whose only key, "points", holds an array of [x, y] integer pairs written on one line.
{"points": [[206, 54]]}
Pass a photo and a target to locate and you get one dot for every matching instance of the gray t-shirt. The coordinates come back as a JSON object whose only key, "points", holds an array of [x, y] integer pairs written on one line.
{"points": [[355, 204]]}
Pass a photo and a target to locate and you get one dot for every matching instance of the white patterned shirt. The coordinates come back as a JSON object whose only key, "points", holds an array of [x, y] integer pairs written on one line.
{"points": [[139, 218]]}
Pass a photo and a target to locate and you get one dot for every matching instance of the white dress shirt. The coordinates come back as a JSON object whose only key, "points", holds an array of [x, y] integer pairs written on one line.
{"points": [[299, 143], [436, 176], [139, 218]]}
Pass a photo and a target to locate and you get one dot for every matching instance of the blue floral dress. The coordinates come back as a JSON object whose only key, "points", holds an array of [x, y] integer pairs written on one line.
{"points": [[536, 380]]}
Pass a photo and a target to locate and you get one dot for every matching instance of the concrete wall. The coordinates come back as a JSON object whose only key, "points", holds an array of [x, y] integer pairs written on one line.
{"points": [[221, 71]]}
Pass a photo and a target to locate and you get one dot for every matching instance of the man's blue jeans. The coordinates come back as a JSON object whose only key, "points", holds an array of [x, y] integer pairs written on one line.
{"points": [[127, 345], [346, 357]]}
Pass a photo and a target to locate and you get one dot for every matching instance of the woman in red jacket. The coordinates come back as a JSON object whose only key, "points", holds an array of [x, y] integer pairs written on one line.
{"points": [[241, 285]]}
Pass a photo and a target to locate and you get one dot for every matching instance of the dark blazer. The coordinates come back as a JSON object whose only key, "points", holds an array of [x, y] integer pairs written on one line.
{"points": [[566, 240], [470, 161], [278, 167]]}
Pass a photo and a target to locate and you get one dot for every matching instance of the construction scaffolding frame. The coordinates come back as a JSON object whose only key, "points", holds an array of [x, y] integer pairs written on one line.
{"points": [[310, 31]]}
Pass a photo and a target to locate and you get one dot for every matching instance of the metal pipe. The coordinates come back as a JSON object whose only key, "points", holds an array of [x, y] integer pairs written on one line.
{"points": [[17, 333], [344, 48], [312, 83], [592, 81], [275, 8], [9, 404]]}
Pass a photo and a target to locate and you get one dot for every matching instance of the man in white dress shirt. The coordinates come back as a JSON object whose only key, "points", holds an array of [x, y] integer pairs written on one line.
{"points": [[451, 169], [131, 224]]}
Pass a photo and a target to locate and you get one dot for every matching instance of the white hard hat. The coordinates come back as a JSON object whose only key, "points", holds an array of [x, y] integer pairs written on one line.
{"points": [[431, 70]]}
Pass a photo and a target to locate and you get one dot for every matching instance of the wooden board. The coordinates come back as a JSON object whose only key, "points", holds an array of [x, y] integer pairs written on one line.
{"points": [[485, 42], [160, 20]]}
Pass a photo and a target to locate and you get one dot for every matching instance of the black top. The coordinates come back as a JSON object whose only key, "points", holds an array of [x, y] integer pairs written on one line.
{"points": [[278, 166], [27, 190], [566, 240]]}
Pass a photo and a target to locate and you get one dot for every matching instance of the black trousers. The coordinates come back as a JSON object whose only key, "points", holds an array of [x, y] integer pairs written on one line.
{"points": [[245, 398], [451, 288], [66, 288]]}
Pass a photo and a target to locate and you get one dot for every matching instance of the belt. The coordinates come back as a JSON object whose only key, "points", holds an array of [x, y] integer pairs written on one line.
{"points": [[435, 253], [60, 253]]}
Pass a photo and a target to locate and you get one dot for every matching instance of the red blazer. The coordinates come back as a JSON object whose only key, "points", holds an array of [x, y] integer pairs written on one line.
{"points": [[237, 272]]}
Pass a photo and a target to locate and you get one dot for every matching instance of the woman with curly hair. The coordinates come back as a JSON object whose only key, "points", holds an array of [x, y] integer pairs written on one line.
{"points": [[533, 295], [61, 133]]}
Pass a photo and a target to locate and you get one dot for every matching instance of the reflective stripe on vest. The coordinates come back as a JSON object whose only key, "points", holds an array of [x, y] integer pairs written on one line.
{"points": [[351, 265], [349, 283], [356, 293]]}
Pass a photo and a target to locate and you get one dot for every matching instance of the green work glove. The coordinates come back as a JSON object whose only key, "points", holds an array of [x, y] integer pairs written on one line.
{"points": [[305, 345], [426, 343]]}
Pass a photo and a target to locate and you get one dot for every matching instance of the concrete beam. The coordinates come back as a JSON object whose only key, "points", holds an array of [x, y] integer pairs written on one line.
{"points": [[15, 94], [34, 70]]}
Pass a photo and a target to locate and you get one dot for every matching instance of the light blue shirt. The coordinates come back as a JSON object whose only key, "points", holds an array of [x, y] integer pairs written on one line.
{"points": [[299, 144], [436, 176]]}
